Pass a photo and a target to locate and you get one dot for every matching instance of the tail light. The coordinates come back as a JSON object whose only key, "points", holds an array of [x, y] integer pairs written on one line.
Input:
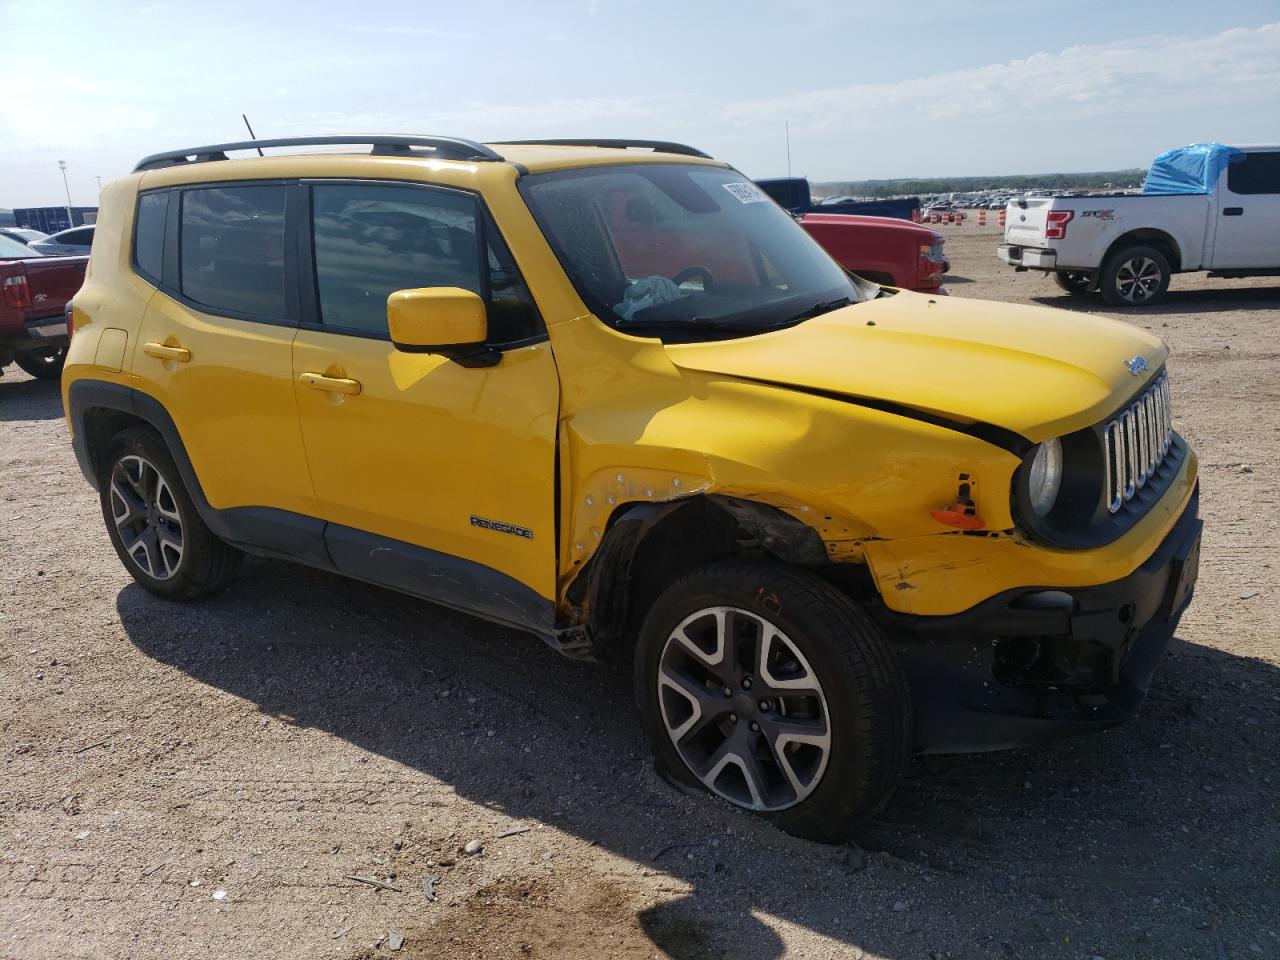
{"points": [[1055, 227], [17, 292]]}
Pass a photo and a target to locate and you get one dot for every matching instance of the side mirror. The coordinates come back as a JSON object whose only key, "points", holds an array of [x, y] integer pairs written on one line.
{"points": [[449, 321]]}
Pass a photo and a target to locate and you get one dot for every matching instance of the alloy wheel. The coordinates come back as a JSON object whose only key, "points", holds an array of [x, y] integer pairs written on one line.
{"points": [[146, 517], [1138, 279], [744, 709]]}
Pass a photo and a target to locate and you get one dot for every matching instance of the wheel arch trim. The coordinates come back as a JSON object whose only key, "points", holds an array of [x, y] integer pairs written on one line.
{"points": [[1150, 236]]}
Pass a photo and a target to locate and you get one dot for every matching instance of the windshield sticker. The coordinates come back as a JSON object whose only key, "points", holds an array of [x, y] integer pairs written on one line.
{"points": [[746, 192]]}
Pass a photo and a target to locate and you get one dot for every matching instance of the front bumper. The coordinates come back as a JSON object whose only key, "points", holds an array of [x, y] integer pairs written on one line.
{"points": [[1037, 663], [1027, 258]]}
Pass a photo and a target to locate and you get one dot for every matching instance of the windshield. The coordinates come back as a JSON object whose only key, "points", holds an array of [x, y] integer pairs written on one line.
{"points": [[684, 252], [11, 249]]}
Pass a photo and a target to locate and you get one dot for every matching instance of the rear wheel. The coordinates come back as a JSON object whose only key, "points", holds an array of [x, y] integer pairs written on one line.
{"points": [[1073, 282], [43, 363], [1135, 277], [767, 687], [153, 523]]}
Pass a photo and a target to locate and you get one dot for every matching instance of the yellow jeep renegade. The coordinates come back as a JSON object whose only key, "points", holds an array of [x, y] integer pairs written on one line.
{"points": [[609, 393]]}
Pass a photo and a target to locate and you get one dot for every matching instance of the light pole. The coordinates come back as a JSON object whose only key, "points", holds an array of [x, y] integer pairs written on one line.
{"points": [[99, 179], [62, 165]]}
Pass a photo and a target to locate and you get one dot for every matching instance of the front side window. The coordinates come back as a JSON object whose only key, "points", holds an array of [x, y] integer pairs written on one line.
{"points": [[232, 249], [148, 234], [684, 252], [372, 240], [1255, 173]]}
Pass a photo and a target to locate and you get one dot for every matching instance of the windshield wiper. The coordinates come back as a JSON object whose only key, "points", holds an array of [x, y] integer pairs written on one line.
{"points": [[817, 310]]}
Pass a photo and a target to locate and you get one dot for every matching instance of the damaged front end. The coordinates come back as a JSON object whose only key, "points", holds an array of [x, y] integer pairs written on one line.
{"points": [[1032, 664]]}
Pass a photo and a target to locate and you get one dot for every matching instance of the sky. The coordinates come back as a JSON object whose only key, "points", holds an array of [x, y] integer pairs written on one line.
{"points": [[869, 90]]}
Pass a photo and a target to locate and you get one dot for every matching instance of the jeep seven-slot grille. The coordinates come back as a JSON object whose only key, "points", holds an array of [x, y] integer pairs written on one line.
{"points": [[1137, 441]]}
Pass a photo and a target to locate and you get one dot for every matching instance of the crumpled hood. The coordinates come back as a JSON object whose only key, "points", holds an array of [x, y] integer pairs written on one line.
{"points": [[1037, 371]]}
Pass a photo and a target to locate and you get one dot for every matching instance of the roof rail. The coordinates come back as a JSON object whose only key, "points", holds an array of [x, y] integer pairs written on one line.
{"points": [[659, 146], [387, 145]]}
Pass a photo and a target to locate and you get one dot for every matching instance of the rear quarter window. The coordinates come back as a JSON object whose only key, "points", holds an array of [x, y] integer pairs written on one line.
{"points": [[148, 234]]}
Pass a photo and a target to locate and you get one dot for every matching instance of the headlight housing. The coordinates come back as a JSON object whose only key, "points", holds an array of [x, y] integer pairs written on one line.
{"points": [[1044, 477], [1064, 493]]}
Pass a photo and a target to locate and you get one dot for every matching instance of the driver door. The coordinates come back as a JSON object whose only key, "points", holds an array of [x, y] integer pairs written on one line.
{"points": [[436, 478]]}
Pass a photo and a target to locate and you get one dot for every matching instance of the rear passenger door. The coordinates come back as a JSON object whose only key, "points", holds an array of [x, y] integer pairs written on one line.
{"points": [[1248, 229], [436, 478], [215, 344]]}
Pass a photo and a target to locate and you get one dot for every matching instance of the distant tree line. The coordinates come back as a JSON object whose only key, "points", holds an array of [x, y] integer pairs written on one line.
{"points": [[928, 186]]}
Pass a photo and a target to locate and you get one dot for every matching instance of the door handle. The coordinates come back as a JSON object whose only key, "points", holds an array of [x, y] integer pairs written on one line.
{"points": [[332, 384], [162, 352], [1233, 211]]}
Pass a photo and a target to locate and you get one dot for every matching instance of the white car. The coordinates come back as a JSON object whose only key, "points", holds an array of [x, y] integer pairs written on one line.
{"points": [[23, 235], [65, 243], [1224, 218]]}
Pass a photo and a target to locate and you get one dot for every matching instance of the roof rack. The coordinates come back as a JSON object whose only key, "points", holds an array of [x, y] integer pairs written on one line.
{"points": [[659, 146], [386, 145]]}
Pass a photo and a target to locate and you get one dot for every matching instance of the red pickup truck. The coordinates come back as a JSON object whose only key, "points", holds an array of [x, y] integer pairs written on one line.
{"points": [[34, 291], [888, 250], [885, 250]]}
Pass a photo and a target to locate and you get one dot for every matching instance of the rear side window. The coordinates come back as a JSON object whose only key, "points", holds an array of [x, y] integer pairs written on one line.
{"points": [[77, 238], [1256, 173], [232, 249], [370, 241], [148, 234]]}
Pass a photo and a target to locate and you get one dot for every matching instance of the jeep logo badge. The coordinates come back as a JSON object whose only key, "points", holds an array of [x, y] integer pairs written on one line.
{"points": [[1137, 365]]}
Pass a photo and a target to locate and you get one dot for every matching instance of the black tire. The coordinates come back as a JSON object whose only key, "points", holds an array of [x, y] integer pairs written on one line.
{"points": [[1073, 282], [861, 690], [1136, 276], [203, 562], [44, 363]]}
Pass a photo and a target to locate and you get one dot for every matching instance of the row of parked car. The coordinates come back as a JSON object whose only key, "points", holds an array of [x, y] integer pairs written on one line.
{"points": [[64, 243]]}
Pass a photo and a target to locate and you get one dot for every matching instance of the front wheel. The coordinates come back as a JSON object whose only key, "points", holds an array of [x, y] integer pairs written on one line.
{"points": [[1135, 277], [769, 688], [43, 363]]}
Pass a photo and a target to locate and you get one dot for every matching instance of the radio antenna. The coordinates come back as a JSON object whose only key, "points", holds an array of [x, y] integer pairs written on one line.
{"points": [[252, 135]]}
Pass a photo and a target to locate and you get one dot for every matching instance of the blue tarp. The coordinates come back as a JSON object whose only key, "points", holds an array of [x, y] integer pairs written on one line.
{"points": [[1192, 169]]}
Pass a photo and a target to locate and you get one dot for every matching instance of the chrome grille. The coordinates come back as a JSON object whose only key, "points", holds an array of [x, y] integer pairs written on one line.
{"points": [[1137, 441]]}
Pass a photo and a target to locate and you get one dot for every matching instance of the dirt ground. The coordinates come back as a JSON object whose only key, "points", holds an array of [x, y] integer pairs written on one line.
{"points": [[206, 780]]}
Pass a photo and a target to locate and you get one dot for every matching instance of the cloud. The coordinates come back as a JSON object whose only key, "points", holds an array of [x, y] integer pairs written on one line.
{"points": [[417, 32], [1132, 75], [582, 116]]}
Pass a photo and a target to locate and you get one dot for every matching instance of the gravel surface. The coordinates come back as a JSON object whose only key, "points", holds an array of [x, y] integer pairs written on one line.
{"points": [[308, 767]]}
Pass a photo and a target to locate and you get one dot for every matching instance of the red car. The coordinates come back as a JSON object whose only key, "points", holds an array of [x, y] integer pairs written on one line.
{"points": [[34, 291], [896, 253]]}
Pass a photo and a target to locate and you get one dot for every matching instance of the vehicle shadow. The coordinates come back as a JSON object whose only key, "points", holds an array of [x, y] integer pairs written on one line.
{"points": [[28, 399], [1199, 301], [1155, 839]]}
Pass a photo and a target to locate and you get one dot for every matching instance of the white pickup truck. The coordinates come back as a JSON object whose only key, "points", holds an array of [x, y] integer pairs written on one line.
{"points": [[1127, 247]]}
